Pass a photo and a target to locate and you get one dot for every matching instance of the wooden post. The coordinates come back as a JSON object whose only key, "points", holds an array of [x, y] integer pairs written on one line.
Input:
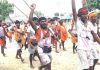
{"points": [[74, 10]]}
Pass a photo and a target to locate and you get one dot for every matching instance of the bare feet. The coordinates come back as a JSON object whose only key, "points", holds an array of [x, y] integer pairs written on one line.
{"points": [[64, 49], [31, 66], [57, 51], [98, 63], [22, 60], [4, 54]]}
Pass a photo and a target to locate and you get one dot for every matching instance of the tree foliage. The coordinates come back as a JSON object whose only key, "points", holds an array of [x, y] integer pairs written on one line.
{"points": [[39, 14], [5, 9], [93, 4], [56, 14], [61, 14]]}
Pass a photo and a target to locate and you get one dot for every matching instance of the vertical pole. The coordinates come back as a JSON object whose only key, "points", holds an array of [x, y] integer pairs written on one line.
{"points": [[74, 10]]}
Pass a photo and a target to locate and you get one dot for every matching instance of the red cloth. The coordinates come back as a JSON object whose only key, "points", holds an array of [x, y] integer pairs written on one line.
{"points": [[38, 34], [82, 11], [63, 33], [2, 41]]}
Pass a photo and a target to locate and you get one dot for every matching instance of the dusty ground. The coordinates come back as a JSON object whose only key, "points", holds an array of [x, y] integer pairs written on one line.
{"points": [[65, 60]]}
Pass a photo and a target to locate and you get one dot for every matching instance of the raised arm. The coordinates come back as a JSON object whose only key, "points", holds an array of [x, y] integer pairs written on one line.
{"points": [[31, 16]]}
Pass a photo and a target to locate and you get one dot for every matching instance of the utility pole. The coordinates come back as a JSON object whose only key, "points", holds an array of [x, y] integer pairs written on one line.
{"points": [[74, 10]]}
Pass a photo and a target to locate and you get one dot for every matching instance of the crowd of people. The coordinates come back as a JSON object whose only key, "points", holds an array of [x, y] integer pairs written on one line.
{"points": [[38, 35], [41, 34]]}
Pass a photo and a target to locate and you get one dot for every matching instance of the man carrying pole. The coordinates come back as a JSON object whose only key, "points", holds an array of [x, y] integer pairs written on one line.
{"points": [[43, 39]]}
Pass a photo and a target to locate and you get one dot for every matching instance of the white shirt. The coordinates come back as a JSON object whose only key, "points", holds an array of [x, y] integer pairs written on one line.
{"points": [[47, 41], [99, 26], [1, 31], [44, 41], [92, 27], [31, 31], [22, 26], [82, 32]]}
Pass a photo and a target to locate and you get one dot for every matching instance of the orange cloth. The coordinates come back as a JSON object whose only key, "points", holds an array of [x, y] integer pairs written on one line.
{"points": [[55, 29], [63, 33], [38, 33], [17, 35], [23, 40], [9, 34], [74, 39], [2, 42], [92, 14], [23, 36]]}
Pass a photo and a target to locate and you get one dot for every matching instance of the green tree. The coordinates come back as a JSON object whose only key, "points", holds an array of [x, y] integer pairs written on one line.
{"points": [[93, 4], [39, 14], [56, 14], [5, 9], [61, 14]]}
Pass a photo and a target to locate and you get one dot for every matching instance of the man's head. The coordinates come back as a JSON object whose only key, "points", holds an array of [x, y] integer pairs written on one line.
{"points": [[83, 14], [35, 19], [56, 20], [93, 17], [61, 22], [17, 23], [42, 22], [51, 21]]}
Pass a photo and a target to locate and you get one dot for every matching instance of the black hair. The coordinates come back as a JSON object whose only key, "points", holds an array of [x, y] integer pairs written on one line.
{"points": [[56, 18], [42, 18], [35, 19], [61, 22], [16, 22], [51, 21]]}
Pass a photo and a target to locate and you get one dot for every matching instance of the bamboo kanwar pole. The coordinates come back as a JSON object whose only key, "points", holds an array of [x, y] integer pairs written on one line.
{"points": [[21, 11], [27, 5], [11, 19]]}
